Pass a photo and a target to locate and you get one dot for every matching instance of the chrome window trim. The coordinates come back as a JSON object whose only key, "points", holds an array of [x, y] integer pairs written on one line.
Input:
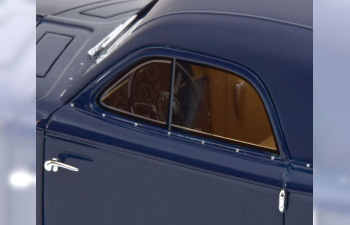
{"points": [[277, 151], [111, 36], [218, 136], [114, 45]]}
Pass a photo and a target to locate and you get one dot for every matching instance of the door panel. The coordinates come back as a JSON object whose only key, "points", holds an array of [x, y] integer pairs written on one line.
{"points": [[299, 210], [141, 176], [300, 199], [123, 188]]}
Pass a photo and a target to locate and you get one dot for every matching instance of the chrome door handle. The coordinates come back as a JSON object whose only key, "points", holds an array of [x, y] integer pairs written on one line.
{"points": [[54, 164]]}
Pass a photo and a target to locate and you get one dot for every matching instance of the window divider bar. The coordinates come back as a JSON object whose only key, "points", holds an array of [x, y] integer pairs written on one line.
{"points": [[170, 111]]}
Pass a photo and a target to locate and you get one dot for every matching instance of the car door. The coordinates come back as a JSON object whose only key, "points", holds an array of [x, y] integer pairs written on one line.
{"points": [[112, 157]]}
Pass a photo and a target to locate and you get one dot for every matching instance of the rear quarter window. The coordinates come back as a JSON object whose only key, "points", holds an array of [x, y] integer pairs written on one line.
{"points": [[220, 103]]}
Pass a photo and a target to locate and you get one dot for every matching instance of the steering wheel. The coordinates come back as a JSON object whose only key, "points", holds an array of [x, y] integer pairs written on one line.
{"points": [[156, 105]]}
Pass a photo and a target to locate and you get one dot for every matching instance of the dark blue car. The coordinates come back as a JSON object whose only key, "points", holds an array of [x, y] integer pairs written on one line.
{"points": [[174, 112]]}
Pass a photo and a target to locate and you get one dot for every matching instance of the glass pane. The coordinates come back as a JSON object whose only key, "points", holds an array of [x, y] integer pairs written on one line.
{"points": [[219, 103], [144, 91]]}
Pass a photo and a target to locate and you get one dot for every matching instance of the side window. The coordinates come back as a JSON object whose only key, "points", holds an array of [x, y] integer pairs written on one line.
{"points": [[219, 103], [206, 101], [142, 92]]}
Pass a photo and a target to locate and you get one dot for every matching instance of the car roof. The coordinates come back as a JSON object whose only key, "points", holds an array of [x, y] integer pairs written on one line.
{"points": [[296, 11]]}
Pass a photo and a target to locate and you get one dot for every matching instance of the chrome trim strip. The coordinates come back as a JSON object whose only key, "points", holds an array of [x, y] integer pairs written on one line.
{"points": [[230, 139], [110, 37], [113, 46]]}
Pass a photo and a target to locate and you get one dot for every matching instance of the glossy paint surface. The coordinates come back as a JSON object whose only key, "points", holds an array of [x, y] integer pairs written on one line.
{"points": [[280, 53], [122, 185], [136, 171], [282, 62], [194, 57], [83, 130], [143, 174], [90, 94]]}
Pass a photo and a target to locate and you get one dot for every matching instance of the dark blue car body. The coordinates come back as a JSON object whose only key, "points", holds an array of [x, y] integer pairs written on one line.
{"points": [[141, 175]]}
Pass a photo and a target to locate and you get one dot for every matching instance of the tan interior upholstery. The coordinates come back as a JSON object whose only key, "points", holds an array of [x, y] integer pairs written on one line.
{"points": [[236, 110]]}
